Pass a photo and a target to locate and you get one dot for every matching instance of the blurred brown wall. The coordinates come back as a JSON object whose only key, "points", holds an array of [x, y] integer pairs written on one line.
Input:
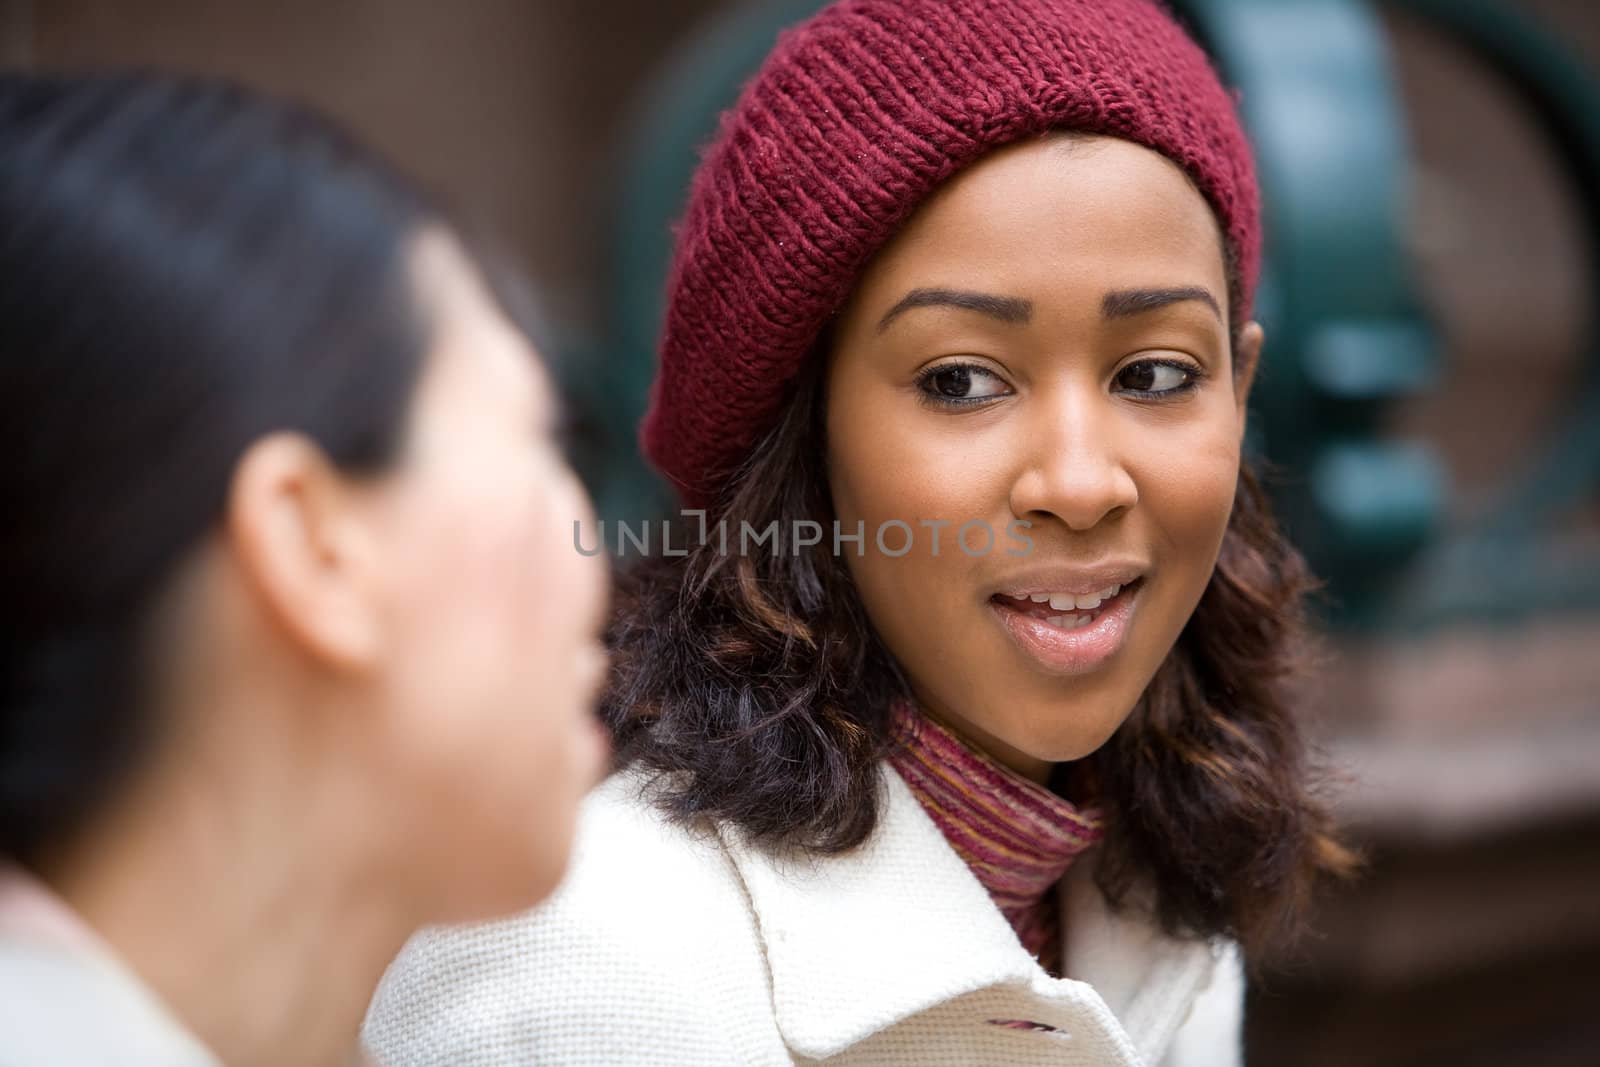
{"points": [[509, 107]]}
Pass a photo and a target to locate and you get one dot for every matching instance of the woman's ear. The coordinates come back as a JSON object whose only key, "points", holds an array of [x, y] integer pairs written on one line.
{"points": [[300, 541], [1246, 358]]}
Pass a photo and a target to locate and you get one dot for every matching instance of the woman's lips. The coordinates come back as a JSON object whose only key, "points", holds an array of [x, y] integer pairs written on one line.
{"points": [[1080, 646]]}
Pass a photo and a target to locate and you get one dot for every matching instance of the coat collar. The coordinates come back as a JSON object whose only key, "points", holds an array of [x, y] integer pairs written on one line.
{"points": [[905, 898], [1148, 978], [65, 996]]}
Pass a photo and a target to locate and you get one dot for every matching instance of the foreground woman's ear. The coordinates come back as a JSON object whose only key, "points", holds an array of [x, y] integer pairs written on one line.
{"points": [[1246, 358], [297, 536]]}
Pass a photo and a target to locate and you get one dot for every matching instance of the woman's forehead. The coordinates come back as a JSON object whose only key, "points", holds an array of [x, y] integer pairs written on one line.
{"points": [[1080, 216]]}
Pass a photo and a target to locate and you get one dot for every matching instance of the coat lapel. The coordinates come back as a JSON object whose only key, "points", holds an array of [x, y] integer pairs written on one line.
{"points": [[1146, 977], [858, 942]]}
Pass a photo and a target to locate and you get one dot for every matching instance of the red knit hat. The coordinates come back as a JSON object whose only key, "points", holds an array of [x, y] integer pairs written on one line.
{"points": [[857, 115]]}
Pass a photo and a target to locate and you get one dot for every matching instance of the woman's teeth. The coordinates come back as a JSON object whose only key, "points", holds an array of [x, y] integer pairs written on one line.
{"points": [[1068, 602], [1082, 607]]}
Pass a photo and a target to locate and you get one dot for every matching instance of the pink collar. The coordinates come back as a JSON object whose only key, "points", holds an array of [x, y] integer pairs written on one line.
{"points": [[31, 911]]}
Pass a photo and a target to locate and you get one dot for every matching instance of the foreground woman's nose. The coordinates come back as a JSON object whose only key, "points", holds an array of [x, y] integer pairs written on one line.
{"points": [[1072, 466]]}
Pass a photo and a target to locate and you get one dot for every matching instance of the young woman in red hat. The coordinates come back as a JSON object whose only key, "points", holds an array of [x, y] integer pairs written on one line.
{"points": [[959, 734]]}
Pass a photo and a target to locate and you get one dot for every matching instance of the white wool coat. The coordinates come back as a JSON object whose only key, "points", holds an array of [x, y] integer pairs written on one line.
{"points": [[65, 997], [669, 947]]}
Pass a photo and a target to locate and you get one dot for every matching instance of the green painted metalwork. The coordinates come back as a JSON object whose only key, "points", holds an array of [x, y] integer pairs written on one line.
{"points": [[1346, 336], [1506, 564]]}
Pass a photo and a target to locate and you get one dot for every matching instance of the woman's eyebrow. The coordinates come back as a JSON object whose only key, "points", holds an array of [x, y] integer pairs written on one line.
{"points": [[1007, 309], [1123, 303]]}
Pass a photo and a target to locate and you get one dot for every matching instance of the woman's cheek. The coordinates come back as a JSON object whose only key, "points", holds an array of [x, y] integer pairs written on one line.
{"points": [[911, 468], [1189, 505]]}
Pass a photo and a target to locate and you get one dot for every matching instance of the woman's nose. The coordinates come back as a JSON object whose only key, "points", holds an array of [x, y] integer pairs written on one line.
{"points": [[1074, 464]]}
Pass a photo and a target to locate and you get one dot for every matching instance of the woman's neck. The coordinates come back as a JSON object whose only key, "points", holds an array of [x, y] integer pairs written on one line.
{"points": [[232, 898], [980, 741]]}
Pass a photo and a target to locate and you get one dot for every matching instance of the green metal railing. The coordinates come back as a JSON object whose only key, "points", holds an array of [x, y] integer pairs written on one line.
{"points": [[1346, 336], [1505, 564]]}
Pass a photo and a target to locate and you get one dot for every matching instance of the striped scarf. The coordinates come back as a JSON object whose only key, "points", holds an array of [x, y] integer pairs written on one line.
{"points": [[1017, 836]]}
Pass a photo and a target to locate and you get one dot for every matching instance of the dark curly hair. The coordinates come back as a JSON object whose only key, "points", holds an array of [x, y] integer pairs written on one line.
{"points": [[757, 684]]}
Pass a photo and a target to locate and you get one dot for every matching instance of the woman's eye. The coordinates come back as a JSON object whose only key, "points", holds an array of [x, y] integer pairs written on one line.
{"points": [[956, 383], [1159, 377]]}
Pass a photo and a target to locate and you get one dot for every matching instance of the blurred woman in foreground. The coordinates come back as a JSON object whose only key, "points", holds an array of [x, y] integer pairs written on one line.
{"points": [[294, 656]]}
